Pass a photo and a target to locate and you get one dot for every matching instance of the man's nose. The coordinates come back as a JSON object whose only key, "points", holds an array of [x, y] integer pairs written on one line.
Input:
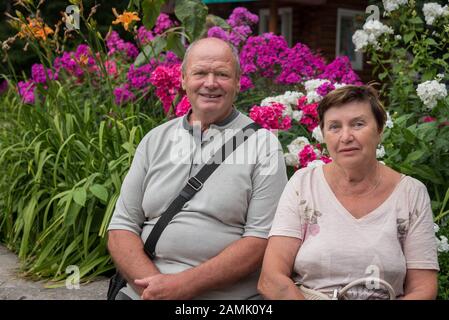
{"points": [[210, 80]]}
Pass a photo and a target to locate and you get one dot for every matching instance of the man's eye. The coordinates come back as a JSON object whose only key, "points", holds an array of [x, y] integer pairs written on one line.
{"points": [[359, 124]]}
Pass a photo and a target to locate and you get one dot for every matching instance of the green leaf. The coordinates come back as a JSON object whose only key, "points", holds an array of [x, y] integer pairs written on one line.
{"points": [[100, 192], [431, 42], [409, 136], [217, 21], [174, 44], [192, 14], [79, 196], [151, 10], [151, 50], [416, 20], [383, 75], [408, 37], [415, 155]]}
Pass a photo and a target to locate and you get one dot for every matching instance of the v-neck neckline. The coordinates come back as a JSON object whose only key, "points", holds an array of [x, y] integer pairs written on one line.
{"points": [[370, 215]]}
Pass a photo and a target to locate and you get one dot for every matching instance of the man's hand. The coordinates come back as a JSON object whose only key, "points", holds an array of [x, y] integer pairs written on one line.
{"points": [[164, 287]]}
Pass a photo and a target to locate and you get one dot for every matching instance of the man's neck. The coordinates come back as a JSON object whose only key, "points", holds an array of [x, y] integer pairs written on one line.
{"points": [[206, 119]]}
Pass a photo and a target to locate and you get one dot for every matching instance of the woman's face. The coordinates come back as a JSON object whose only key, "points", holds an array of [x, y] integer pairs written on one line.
{"points": [[351, 134]]}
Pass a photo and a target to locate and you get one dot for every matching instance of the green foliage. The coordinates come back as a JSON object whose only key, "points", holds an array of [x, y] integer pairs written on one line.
{"points": [[417, 143], [192, 14], [62, 163]]}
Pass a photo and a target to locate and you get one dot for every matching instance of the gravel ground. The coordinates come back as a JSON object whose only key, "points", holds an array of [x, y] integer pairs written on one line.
{"points": [[12, 287]]}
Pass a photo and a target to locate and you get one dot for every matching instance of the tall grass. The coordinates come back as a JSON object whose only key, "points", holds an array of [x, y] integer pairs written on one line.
{"points": [[62, 162]]}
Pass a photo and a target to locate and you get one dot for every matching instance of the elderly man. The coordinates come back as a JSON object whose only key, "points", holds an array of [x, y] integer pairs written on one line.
{"points": [[213, 248]]}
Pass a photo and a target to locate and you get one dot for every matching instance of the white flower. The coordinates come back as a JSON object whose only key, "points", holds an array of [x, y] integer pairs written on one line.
{"points": [[398, 37], [380, 152], [339, 85], [317, 134], [443, 246], [389, 122], [311, 86], [315, 163], [433, 11], [291, 159], [297, 145], [430, 92], [391, 5], [360, 39], [436, 228], [372, 30], [297, 115], [313, 97]]}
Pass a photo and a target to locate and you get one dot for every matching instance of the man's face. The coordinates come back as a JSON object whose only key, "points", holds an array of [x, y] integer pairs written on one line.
{"points": [[210, 79]]}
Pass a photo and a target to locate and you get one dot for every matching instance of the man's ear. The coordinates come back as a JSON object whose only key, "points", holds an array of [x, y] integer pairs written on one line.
{"points": [[183, 86]]}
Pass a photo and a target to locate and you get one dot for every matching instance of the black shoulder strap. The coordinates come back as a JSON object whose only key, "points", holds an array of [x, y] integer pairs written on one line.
{"points": [[195, 183]]}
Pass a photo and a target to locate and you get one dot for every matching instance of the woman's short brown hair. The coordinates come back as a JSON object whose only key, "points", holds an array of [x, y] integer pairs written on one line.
{"points": [[352, 93]]}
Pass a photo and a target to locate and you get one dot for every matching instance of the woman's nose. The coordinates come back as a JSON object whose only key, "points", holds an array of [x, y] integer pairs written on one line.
{"points": [[346, 135]]}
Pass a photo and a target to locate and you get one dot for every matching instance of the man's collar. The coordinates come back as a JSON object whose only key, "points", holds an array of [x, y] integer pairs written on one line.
{"points": [[234, 114]]}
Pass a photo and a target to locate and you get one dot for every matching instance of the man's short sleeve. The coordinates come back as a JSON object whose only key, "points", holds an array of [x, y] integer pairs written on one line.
{"points": [[128, 213], [268, 181]]}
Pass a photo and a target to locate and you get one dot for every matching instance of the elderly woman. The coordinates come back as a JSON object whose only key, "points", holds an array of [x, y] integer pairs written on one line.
{"points": [[352, 218]]}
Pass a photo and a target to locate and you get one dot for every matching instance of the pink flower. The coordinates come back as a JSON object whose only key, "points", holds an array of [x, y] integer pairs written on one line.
{"points": [[167, 80], [111, 67], [182, 107], [310, 113], [326, 159], [306, 155], [428, 119], [271, 117]]}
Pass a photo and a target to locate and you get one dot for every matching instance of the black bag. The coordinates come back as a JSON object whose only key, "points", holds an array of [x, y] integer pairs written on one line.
{"points": [[116, 283], [194, 184]]}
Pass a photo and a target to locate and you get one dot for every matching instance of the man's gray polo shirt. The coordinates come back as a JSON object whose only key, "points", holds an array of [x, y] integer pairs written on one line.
{"points": [[238, 200]]}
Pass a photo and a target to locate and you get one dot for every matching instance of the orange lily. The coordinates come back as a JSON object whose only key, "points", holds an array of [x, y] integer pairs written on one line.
{"points": [[36, 29], [126, 18]]}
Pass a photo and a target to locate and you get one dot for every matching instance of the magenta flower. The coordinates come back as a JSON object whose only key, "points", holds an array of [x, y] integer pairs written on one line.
{"points": [[26, 91], [38, 73], [217, 32], [144, 36], [270, 117], [117, 45], [340, 70], [182, 107], [245, 83], [325, 88], [163, 23], [123, 95], [241, 16]]}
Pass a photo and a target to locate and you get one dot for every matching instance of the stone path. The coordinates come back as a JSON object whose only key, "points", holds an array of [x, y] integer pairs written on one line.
{"points": [[12, 287]]}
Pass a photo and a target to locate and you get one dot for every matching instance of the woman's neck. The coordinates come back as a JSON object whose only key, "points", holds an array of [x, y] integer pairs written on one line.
{"points": [[355, 181]]}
